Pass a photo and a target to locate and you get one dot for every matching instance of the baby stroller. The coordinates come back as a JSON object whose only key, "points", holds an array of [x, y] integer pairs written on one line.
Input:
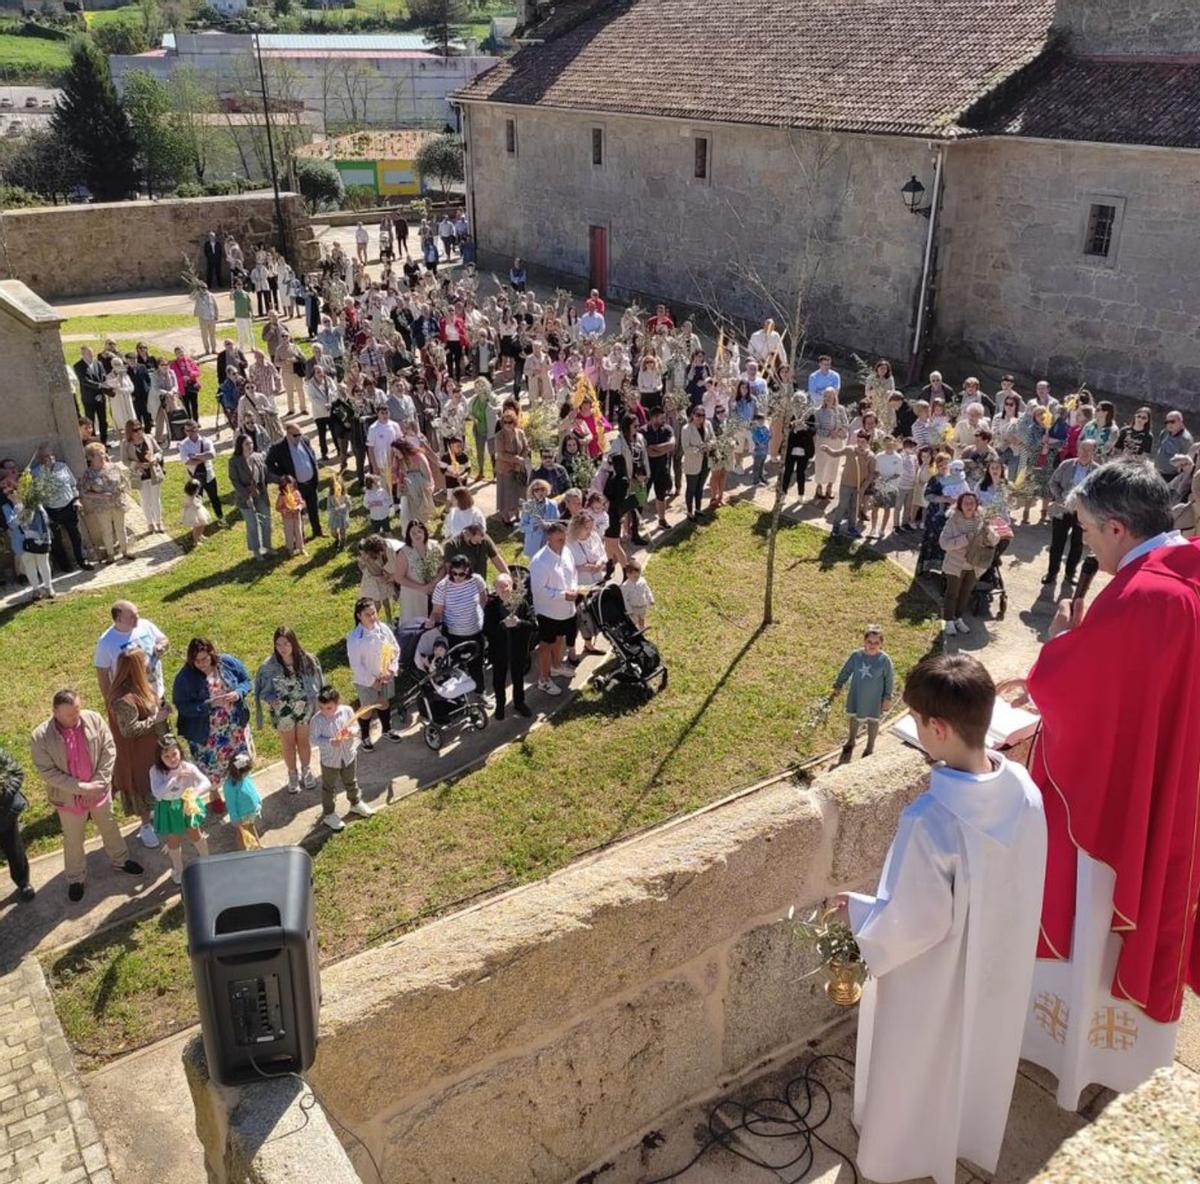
{"points": [[990, 586], [638, 662], [445, 694]]}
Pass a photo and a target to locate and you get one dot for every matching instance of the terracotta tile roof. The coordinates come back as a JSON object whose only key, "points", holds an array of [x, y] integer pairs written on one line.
{"points": [[894, 66], [1105, 100]]}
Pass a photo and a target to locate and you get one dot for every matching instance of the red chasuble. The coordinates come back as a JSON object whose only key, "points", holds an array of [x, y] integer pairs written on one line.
{"points": [[1118, 761]]}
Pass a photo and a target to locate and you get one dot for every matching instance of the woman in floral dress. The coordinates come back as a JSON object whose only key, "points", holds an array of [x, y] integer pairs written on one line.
{"points": [[210, 694], [288, 682]]}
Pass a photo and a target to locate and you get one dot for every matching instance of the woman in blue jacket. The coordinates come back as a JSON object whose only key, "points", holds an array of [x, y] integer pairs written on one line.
{"points": [[211, 692]]}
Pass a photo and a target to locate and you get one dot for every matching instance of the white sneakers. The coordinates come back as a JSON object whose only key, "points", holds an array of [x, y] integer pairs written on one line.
{"points": [[548, 687], [361, 808], [147, 836], [293, 783], [309, 781]]}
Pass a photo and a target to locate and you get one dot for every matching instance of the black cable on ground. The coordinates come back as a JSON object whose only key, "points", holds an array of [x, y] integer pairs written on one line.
{"points": [[803, 1108], [308, 1100]]}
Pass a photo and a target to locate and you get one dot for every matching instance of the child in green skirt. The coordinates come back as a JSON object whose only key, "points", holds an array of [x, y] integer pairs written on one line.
{"points": [[179, 789], [242, 801]]}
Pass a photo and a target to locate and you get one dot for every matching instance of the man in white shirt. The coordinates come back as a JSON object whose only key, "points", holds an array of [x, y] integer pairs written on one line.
{"points": [[555, 588], [129, 629], [260, 278], [592, 322], [765, 345], [361, 239], [380, 437], [446, 234], [204, 305], [198, 456]]}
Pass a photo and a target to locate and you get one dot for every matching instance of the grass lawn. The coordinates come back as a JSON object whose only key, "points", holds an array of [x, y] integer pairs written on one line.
{"points": [[116, 324], [605, 766], [26, 55]]}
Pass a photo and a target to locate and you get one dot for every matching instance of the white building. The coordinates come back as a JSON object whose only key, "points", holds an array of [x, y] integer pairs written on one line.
{"points": [[389, 79]]}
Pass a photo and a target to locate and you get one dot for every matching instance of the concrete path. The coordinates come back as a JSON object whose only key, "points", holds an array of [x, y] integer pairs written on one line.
{"points": [[46, 1134]]}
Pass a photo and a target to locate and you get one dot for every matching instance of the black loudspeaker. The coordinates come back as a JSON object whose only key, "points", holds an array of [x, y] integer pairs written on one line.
{"points": [[253, 946]]}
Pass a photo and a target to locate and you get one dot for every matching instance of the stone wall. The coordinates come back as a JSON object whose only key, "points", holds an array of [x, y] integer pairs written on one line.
{"points": [[778, 205], [519, 1041], [1017, 292], [86, 250], [1129, 26], [36, 402]]}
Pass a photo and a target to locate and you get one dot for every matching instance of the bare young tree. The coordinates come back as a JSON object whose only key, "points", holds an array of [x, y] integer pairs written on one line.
{"points": [[789, 294], [358, 83]]}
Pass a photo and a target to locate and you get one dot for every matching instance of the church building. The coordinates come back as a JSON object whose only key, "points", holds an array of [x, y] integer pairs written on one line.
{"points": [[999, 184]]}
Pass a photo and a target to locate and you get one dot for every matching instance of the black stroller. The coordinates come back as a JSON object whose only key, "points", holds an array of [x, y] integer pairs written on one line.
{"points": [[990, 586], [445, 695], [638, 662]]}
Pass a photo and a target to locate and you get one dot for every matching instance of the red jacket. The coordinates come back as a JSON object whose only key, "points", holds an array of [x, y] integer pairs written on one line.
{"points": [[185, 371], [459, 324]]}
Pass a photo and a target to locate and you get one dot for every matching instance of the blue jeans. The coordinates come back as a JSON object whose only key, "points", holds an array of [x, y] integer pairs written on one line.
{"points": [[756, 467], [694, 493], [257, 516]]}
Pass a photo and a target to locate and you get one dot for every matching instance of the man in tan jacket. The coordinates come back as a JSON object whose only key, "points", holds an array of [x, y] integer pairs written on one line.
{"points": [[74, 753]]}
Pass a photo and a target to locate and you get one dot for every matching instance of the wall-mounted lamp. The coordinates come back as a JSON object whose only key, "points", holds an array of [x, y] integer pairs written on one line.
{"points": [[913, 193]]}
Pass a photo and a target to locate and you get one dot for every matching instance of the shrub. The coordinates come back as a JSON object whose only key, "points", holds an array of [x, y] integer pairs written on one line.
{"points": [[220, 188], [320, 184], [13, 197], [189, 189], [359, 197]]}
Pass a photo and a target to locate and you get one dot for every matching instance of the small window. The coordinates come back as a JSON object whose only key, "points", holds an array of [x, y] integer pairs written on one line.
{"points": [[700, 167], [597, 146], [1102, 221], [510, 137]]}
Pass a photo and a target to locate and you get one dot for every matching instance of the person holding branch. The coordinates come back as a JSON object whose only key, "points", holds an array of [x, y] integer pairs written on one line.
{"points": [[1117, 758]]}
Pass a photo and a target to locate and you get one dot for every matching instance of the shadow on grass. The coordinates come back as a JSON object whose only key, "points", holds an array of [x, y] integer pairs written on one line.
{"points": [[245, 571]]}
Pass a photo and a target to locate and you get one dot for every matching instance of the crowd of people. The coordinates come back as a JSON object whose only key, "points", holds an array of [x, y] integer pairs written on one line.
{"points": [[423, 384]]}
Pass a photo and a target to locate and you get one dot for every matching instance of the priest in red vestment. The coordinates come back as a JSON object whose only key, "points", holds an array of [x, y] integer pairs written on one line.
{"points": [[1117, 758]]}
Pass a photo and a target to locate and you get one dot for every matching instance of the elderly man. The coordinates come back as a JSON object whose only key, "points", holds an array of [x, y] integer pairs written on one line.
{"points": [[74, 754], [1065, 527], [62, 505], [90, 372], [293, 457], [508, 629], [1174, 440], [204, 305], [1117, 759]]}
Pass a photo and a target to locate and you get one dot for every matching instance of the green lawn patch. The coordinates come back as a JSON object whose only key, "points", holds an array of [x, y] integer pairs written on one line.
{"points": [[113, 324], [605, 766], [27, 58]]}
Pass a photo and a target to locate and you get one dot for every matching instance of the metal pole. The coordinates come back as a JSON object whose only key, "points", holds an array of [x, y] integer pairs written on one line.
{"points": [[281, 240], [922, 303]]}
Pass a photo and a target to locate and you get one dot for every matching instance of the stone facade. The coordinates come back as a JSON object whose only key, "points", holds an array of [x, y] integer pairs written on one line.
{"points": [[86, 250], [1017, 292], [36, 403], [566, 1018], [1129, 26], [779, 205]]}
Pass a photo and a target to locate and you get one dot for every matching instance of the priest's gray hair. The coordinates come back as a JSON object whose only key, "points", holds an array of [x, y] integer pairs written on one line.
{"points": [[1125, 491]]}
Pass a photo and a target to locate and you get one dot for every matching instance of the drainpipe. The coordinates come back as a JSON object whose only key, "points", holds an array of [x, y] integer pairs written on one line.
{"points": [[935, 204]]}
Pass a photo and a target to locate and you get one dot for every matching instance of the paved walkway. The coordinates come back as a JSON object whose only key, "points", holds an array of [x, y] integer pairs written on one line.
{"points": [[46, 1134]]}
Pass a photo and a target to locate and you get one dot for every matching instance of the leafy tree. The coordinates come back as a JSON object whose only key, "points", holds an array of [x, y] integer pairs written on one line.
{"points": [[121, 37], [442, 159], [441, 20], [320, 184], [43, 162], [162, 153], [89, 118], [193, 101]]}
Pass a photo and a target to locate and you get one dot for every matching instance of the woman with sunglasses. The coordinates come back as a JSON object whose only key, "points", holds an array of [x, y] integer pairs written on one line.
{"points": [[458, 600], [1007, 429], [1136, 437]]}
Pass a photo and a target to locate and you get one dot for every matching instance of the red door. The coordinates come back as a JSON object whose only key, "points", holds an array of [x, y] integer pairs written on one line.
{"points": [[598, 258]]}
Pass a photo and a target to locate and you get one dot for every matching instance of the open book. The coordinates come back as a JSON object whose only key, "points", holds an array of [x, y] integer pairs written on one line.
{"points": [[1010, 725]]}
